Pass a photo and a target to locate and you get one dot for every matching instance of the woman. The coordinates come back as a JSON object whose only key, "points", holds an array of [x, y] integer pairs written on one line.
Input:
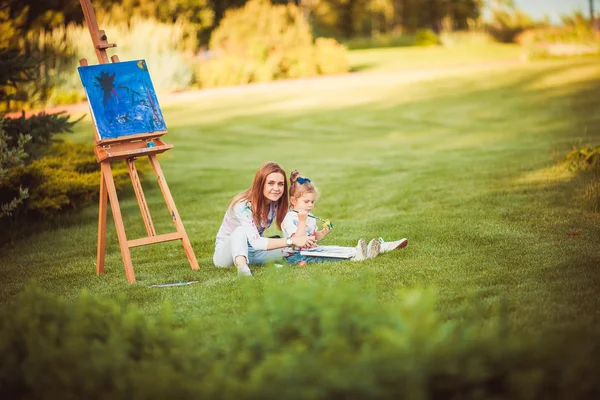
{"points": [[240, 239]]}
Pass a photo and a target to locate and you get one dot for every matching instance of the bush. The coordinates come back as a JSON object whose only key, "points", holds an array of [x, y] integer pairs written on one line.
{"points": [[426, 37], [507, 24], [11, 155], [262, 42], [564, 41], [312, 340], [167, 49], [583, 158], [66, 178], [380, 41]]}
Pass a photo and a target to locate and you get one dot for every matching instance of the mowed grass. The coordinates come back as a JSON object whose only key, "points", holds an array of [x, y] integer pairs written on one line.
{"points": [[403, 58], [463, 165]]}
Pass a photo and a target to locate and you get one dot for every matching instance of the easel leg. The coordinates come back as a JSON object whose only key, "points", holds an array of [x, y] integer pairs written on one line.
{"points": [[187, 246], [139, 193], [116, 211], [101, 226]]}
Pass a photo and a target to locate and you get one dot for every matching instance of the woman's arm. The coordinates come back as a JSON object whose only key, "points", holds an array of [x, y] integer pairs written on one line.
{"points": [[299, 241], [243, 213]]}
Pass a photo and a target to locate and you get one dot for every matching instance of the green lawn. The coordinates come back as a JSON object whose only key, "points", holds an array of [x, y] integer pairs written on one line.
{"points": [[464, 166], [399, 58]]}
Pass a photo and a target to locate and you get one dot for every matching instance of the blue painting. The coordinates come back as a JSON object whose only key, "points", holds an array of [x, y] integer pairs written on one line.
{"points": [[122, 99]]}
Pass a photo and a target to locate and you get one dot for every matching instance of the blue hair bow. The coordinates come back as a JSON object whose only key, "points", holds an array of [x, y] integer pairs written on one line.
{"points": [[302, 181]]}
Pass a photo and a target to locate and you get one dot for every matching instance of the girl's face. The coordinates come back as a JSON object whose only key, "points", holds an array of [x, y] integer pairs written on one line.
{"points": [[305, 202], [274, 186]]}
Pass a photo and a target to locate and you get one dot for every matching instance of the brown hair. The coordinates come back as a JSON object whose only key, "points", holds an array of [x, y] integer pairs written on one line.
{"points": [[297, 189], [255, 195]]}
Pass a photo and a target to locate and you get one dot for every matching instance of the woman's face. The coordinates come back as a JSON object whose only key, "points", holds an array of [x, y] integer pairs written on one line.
{"points": [[274, 185]]}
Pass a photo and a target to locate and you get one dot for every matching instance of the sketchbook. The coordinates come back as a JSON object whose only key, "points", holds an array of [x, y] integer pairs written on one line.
{"points": [[330, 251]]}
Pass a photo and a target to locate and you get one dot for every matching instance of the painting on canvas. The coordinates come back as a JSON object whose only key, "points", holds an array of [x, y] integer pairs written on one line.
{"points": [[122, 99]]}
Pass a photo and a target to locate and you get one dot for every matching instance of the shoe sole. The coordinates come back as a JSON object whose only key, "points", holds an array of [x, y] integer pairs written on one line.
{"points": [[403, 243]]}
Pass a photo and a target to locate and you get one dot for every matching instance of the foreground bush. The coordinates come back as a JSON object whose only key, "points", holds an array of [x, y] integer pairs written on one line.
{"points": [[262, 42], [310, 340]]}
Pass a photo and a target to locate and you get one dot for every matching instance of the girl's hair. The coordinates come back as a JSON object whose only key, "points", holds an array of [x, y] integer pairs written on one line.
{"points": [[256, 197], [300, 185]]}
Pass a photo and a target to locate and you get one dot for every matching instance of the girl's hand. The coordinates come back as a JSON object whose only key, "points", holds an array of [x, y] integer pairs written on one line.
{"points": [[325, 231], [302, 215], [304, 241]]}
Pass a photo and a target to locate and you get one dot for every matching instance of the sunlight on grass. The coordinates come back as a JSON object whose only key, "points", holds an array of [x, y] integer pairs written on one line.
{"points": [[546, 176], [567, 76], [427, 57]]}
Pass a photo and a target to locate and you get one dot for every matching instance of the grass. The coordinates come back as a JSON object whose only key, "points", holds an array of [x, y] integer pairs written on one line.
{"points": [[403, 58], [463, 166]]}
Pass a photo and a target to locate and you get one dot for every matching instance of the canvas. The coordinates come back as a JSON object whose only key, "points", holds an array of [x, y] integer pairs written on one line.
{"points": [[122, 99]]}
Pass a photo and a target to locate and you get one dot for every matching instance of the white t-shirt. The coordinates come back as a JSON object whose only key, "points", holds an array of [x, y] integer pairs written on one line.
{"points": [[289, 226]]}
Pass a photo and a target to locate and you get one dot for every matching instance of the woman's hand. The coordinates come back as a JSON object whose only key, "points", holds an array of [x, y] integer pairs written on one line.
{"points": [[304, 241]]}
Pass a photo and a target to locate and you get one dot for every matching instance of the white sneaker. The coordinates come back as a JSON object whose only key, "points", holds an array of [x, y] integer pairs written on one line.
{"points": [[373, 248], [244, 270], [389, 246], [361, 251]]}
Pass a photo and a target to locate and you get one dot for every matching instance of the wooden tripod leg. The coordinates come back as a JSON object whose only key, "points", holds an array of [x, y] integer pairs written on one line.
{"points": [[187, 246], [139, 193], [101, 225], [116, 211]]}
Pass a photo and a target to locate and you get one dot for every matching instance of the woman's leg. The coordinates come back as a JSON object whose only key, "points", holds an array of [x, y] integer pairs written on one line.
{"points": [[264, 256], [235, 247]]}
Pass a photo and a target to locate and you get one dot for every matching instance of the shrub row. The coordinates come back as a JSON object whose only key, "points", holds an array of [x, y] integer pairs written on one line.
{"points": [[262, 42], [308, 340]]}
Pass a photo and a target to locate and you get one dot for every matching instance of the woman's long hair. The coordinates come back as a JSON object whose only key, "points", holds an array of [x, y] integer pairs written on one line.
{"points": [[260, 210]]}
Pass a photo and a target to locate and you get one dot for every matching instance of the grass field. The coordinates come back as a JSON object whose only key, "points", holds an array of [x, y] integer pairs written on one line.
{"points": [[463, 165], [395, 59]]}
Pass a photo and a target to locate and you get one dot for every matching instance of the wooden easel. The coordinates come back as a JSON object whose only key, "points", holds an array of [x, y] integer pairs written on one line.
{"points": [[129, 148]]}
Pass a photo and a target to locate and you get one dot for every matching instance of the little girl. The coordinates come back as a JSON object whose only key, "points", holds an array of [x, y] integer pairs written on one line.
{"points": [[299, 222]]}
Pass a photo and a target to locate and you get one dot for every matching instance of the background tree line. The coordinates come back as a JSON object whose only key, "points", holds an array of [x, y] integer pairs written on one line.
{"points": [[342, 19]]}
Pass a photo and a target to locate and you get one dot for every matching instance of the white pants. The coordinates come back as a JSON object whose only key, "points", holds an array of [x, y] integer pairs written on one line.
{"points": [[237, 245]]}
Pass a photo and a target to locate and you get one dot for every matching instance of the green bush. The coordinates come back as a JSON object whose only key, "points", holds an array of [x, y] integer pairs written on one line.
{"points": [[380, 41], [426, 37], [11, 155], [508, 23], [583, 158], [68, 177], [319, 339], [262, 42], [551, 42], [167, 48]]}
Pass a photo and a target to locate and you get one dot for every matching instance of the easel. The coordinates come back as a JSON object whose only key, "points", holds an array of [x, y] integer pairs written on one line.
{"points": [[129, 148]]}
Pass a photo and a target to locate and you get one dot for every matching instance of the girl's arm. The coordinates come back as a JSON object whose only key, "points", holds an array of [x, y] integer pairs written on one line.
{"points": [[321, 234], [301, 230]]}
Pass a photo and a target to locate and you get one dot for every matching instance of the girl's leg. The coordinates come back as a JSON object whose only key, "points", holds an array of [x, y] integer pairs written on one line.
{"points": [[296, 258]]}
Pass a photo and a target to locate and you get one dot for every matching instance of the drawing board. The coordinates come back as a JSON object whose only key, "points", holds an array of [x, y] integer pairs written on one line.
{"points": [[122, 99]]}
